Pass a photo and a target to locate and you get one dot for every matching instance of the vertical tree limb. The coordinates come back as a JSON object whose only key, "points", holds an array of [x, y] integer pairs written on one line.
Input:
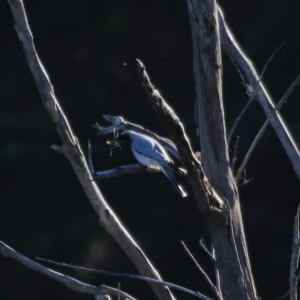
{"points": [[228, 239]]}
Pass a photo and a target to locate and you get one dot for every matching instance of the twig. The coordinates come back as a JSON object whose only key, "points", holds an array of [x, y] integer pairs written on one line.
{"points": [[201, 271], [74, 153], [235, 53], [132, 276], [201, 242], [252, 94], [245, 180], [263, 128], [217, 273], [234, 157], [68, 281]]}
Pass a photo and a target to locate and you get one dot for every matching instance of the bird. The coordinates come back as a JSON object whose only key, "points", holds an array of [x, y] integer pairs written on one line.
{"points": [[150, 153]]}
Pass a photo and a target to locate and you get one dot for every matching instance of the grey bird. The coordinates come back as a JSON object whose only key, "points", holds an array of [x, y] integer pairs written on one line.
{"points": [[150, 153]]}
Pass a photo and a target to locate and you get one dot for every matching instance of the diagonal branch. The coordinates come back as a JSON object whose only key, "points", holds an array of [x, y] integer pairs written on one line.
{"points": [[127, 275], [263, 128], [68, 281], [212, 286], [245, 67], [252, 94], [73, 152], [195, 175], [171, 120]]}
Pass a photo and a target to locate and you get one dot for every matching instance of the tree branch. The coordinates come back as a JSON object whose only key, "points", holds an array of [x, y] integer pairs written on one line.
{"points": [[264, 127], [73, 152], [212, 286], [68, 281], [252, 94], [127, 275], [171, 120], [239, 58]]}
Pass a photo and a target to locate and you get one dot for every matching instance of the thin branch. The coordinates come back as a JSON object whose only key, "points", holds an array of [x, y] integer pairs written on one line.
{"points": [[214, 289], [252, 93], [132, 276], [263, 128], [217, 273], [234, 157], [202, 244], [74, 153], [68, 281], [235, 53]]}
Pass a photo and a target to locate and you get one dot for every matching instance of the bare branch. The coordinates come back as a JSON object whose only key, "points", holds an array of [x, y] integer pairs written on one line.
{"points": [[252, 93], [68, 281], [234, 157], [202, 244], [195, 174], [74, 153], [171, 120], [217, 272], [202, 271], [263, 128], [235, 53], [132, 276]]}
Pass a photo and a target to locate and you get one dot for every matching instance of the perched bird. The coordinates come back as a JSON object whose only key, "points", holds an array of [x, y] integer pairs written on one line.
{"points": [[150, 153]]}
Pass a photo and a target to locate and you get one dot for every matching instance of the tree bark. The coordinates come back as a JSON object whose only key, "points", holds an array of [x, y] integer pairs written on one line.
{"points": [[226, 229]]}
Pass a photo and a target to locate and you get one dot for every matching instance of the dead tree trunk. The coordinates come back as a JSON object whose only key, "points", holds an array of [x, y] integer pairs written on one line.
{"points": [[226, 226]]}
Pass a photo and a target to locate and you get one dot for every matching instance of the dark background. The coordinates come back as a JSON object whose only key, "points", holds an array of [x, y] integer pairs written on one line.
{"points": [[89, 50]]}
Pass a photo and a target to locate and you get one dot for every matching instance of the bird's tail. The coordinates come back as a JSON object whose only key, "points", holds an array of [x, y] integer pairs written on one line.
{"points": [[168, 172]]}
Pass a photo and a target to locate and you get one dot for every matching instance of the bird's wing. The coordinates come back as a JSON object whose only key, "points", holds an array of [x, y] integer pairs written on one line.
{"points": [[150, 148]]}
